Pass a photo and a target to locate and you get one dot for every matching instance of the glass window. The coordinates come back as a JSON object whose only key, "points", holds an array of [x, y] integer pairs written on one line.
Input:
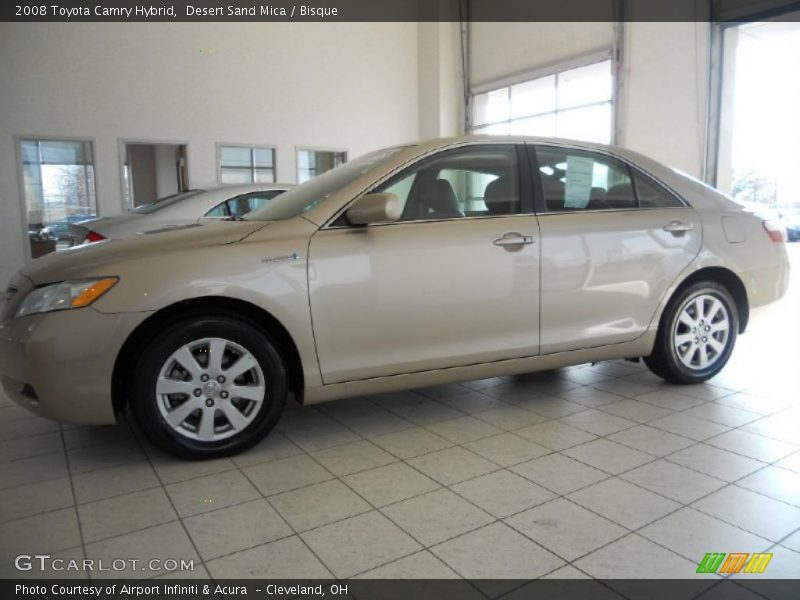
{"points": [[492, 107], [503, 128], [589, 124], [652, 195], [311, 163], [578, 180], [474, 181], [242, 205], [248, 203], [59, 189], [401, 187], [244, 164], [574, 103], [306, 196], [219, 211], [585, 85], [533, 97], [543, 125]]}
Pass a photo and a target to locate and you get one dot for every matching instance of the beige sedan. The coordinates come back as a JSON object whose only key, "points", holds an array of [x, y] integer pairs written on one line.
{"points": [[441, 261]]}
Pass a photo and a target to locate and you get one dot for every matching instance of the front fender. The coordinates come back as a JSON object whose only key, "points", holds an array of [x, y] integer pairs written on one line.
{"points": [[269, 272]]}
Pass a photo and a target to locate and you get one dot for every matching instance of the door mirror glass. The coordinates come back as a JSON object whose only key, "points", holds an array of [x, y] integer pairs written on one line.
{"points": [[374, 208]]}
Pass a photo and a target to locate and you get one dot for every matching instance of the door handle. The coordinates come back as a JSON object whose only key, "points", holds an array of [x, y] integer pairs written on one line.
{"points": [[513, 239], [678, 227]]}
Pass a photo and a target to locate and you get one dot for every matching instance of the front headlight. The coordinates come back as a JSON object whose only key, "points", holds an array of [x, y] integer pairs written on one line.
{"points": [[65, 295]]}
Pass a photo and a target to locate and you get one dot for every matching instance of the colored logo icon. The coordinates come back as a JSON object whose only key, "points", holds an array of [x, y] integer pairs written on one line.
{"points": [[735, 562]]}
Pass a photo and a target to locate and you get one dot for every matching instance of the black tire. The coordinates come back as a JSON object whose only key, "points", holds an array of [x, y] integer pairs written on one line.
{"points": [[665, 361], [145, 401]]}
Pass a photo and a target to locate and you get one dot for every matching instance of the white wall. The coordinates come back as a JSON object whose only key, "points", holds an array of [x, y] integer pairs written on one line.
{"points": [[165, 159], [441, 87], [500, 50], [141, 159], [664, 90], [343, 85]]}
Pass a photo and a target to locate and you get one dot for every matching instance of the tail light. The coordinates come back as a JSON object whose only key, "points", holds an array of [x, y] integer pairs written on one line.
{"points": [[93, 236], [776, 232]]}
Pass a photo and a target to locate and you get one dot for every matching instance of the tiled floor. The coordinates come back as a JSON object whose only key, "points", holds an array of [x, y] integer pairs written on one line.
{"points": [[586, 471]]}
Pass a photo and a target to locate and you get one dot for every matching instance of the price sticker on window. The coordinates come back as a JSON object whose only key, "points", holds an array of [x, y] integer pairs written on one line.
{"points": [[578, 182]]}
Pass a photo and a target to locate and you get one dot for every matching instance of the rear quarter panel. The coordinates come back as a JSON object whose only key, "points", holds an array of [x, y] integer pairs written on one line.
{"points": [[760, 263]]}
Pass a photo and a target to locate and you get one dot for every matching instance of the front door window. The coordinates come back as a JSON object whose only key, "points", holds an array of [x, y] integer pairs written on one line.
{"points": [[470, 182]]}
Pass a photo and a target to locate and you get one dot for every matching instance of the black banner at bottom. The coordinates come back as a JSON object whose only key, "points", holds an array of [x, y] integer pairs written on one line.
{"points": [[711, 588]]}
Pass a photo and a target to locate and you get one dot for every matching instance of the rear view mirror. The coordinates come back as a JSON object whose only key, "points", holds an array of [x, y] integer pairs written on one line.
{"points": [[374, 208]]}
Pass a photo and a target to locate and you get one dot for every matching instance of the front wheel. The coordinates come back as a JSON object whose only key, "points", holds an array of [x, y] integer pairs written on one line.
{"points": [[697, 333], [209, 386]]}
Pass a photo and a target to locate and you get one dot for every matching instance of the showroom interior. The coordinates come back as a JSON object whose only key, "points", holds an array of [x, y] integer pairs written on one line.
{"points": [[566, 473]]}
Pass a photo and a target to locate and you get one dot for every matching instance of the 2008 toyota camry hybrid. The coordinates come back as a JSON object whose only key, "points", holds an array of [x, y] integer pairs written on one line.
{"points": [[442, 261]]}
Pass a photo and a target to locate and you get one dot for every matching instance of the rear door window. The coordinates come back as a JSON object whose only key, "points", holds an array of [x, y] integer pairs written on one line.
{"points": [[577, 180]]}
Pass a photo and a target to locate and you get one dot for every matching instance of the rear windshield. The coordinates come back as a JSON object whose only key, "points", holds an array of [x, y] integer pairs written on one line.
{"points": [[146, 209], [306, 196]]}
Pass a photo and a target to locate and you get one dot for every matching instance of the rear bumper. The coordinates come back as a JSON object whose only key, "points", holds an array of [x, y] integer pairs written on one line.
{"points": [[59, 365], [769, 283]]}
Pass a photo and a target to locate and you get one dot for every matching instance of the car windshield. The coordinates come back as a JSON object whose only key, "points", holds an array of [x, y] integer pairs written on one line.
{"points": [[146, 209], [306, 196]]}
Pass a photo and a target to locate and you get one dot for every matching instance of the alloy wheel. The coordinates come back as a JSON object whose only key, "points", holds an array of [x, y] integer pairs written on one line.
{"points": [[701, 332], [210, 389]]}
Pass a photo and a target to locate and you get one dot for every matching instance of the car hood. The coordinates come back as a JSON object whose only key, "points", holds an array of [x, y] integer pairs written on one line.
{"points": [[98, 259]]}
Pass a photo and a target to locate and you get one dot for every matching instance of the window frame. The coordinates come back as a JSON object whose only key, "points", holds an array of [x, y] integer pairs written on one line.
{"points": [[252, 168], [298, 149], [555, 69], [633, 171], [23, 204], [525, 186]]}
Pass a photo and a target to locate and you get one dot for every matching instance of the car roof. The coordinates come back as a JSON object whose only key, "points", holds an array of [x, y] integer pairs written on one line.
{"points": [[697, 193], [685, 185], [524, 139]]}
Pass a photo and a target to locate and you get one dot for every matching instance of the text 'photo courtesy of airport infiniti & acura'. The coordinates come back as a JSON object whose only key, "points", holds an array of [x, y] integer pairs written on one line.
{"points": [[446, 260]]}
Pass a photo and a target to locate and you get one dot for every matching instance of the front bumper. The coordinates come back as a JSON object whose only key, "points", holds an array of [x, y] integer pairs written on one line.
{"points": [[60, 364]]}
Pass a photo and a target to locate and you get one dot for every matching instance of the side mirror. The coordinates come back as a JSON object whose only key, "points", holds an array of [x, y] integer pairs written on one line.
{"points": [[374, 208]]}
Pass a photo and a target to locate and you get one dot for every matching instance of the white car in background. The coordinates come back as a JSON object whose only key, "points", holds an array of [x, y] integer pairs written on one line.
{"points": [[186, 208]]}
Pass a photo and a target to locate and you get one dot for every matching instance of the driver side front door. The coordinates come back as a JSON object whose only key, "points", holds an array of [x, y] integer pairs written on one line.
{"points": [[454, 282]]}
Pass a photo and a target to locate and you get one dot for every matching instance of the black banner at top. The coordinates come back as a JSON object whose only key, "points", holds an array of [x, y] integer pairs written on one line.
{"points": [[394, 10]]}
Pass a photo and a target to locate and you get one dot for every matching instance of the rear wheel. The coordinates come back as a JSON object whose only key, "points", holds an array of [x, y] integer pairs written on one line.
{"points": [[209, 386], [697, 334]]}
